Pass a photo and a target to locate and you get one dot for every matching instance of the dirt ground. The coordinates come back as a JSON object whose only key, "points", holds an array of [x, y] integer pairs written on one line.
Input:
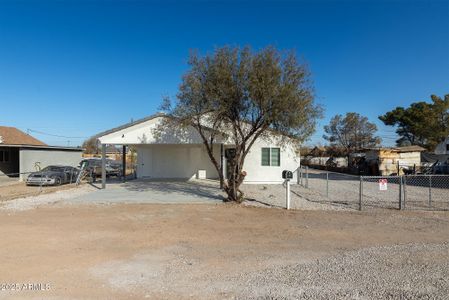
{"points": [[15, 190], [218, 251]]}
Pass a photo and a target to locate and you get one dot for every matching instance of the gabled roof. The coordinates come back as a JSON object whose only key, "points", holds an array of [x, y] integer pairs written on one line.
{"points": [[124, 126], [13, 136], [139, 138]]}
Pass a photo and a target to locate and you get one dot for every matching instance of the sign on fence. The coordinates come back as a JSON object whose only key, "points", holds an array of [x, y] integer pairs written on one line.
{"points": [[383, 184]]}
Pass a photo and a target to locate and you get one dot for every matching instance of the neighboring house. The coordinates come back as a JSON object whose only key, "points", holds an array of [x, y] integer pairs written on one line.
{"points": [[394, 160], [21, 153], [181, 154], [443, 147]]}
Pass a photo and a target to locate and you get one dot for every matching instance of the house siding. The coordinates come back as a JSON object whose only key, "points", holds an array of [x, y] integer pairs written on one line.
{"points": [[256, 173], [30, 159]]}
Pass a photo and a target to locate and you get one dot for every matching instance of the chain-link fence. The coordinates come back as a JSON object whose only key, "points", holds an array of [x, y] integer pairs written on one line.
{"points": [[328, 187], [358, 192], [426, 192]]}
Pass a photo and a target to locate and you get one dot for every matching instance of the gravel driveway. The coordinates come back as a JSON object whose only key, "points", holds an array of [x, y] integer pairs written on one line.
{"points": [[207, 251]]}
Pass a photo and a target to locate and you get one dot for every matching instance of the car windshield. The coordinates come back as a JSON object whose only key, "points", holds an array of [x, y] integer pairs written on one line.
{"points": [[53, 169]]}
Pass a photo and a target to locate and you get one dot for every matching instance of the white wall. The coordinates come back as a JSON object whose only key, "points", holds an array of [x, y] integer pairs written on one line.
{"points": [[28, 159], [184, 161], [175, 161], [256, 173]]}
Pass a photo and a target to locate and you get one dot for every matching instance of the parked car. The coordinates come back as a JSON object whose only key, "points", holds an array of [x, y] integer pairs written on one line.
{"points": [[53, 175], [93, 167]]}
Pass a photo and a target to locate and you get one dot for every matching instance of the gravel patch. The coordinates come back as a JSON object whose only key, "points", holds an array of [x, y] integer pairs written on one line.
{"points": [[414, 271], [273, 195], [32, 202]]}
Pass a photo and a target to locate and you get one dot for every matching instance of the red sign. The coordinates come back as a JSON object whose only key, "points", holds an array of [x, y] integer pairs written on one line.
{"points": [[383, 184]]}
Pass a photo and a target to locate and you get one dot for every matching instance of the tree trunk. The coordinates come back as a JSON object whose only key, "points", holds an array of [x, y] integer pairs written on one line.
{"points": [[232, 189]]}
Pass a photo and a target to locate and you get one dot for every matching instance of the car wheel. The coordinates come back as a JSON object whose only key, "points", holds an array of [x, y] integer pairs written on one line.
{"points": [[58, 181]]}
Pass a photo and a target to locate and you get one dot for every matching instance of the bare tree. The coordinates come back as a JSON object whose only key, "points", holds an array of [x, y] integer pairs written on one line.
{"points": [[352, 132], [238, 95], [91, 145]]}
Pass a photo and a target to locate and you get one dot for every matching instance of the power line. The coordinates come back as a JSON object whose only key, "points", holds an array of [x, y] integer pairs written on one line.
{"points": [[56, 135]]}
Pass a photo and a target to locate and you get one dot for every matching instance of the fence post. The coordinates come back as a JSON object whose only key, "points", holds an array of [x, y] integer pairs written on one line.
{"points": [[360, 193], [327, 184], [405, 191], [307, 177], [430, 190], [287, 194], [400, 192]]}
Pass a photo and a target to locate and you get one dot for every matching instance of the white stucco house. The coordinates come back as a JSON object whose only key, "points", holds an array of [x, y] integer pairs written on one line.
{"points": [[163, 153]]}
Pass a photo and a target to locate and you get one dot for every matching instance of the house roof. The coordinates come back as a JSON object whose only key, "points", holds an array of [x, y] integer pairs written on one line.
{"points": [[413, 148], [13, 136], [124, 126], [45, 147], [148, 118]]}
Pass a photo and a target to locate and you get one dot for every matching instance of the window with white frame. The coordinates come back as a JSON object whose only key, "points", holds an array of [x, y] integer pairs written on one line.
{"points": [[271, 157]]}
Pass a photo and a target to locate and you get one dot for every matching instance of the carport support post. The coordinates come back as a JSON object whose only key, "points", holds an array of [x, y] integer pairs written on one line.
{"points": [[124, 162], [103, 166]]}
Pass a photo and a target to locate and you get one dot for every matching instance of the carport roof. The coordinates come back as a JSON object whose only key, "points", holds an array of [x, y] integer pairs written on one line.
{"points": [[130, 133], [124, 126]]}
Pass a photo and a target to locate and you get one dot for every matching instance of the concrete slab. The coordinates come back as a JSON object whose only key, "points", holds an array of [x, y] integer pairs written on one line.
{"points": [[149, 191]]}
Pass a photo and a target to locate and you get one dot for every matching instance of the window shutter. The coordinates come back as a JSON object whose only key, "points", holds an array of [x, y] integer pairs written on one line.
{"points": [[275, 157], [265, 156]]}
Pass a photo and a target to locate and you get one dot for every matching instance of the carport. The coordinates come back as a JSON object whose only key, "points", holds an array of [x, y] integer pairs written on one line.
{"points": [[168, 154]]}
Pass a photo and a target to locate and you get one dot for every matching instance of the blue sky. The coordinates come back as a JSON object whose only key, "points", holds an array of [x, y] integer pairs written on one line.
{"points": [[77, 68]]}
